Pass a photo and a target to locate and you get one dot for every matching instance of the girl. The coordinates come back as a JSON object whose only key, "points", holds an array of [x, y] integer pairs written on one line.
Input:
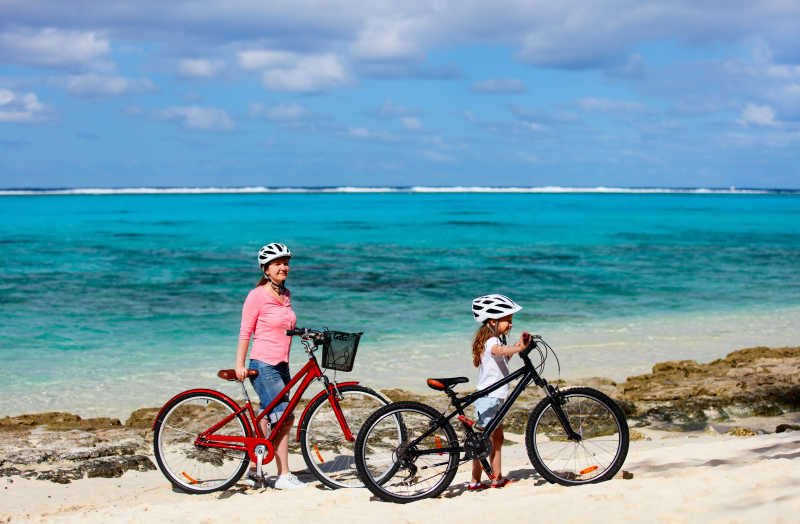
{"points": [[266, 315], [490, 355]]}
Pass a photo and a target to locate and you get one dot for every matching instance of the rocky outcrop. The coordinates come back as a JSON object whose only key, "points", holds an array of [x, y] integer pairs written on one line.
{"points": [[62, 447], [682, 395], [678, 395], [685, 395]]}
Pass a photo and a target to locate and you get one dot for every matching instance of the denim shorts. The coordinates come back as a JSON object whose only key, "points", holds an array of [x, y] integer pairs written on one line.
{"points": [[269, 383], [485, 409]]}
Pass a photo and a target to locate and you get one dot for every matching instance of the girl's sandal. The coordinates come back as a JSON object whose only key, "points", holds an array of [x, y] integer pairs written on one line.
{"points": [[501, 482], [476, 486]]}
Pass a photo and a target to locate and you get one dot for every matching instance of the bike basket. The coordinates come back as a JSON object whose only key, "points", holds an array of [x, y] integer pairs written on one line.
{"points": [[339, 350]]}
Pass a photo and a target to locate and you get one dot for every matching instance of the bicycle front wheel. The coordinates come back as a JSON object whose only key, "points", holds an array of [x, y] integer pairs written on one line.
{"points": [[418, 461], [192, 467], [326, 452], [603, 437]]}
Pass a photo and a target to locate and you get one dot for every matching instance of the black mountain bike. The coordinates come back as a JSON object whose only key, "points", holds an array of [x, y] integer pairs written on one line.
{"points": [[575, 436]]}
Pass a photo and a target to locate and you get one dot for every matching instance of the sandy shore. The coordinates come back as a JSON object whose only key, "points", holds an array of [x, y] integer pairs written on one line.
{"points": [[707, 448], [677, 477]]}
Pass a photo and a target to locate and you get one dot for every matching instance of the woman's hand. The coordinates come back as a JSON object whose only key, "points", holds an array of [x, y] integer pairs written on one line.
{"points": [[241, 353]]}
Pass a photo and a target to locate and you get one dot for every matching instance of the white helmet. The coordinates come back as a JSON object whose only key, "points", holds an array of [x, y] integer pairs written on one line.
{"points": [[272, 251], [493, 306]]}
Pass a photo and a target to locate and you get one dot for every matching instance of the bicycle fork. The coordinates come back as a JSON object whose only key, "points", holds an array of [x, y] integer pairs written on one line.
{"points": [[557, 404]]}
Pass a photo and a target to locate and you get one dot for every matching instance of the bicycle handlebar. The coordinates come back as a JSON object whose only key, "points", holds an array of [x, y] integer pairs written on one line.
{"points": [[530, 343], [307, 334]]}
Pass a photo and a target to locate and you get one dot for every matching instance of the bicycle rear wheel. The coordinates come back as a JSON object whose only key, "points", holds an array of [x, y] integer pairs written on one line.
{"points": [[326, 452], [195, 468], [602, 447], [406, 465]]}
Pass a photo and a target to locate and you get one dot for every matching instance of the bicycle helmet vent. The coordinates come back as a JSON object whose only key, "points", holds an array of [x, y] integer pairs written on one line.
{"points": [[272, 251], [493, 306]]}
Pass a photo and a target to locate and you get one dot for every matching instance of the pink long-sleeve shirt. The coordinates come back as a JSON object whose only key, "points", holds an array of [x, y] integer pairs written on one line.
{"points": [[266, 319]]}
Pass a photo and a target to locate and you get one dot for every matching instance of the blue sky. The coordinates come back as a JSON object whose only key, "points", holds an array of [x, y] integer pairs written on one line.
{"points": [[307, 93]]}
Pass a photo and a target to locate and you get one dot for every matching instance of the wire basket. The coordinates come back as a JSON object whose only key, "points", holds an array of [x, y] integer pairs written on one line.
{"points": [[339, 350]]}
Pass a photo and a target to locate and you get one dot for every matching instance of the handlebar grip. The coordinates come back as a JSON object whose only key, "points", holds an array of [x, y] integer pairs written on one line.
{"points": [[293, 332], [530, 343]]}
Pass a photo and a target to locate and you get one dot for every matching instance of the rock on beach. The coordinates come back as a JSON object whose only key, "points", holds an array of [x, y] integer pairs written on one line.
{"points": [[677, 396]]}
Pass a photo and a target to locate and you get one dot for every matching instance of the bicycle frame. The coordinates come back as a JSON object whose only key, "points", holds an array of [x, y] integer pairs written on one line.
{"points": [[311, 371], [526, 374]]}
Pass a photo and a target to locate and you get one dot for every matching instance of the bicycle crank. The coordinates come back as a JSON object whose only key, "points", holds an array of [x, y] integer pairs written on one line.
{"points": [[260, 451]]}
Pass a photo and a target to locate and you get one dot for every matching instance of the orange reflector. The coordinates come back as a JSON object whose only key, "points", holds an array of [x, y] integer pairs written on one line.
{"points": [[316, 450], [587, 470], [193, 481], [438, 443]]}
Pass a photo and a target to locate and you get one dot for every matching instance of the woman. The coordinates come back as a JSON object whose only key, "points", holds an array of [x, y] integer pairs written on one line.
{"points": [[266, 315]]}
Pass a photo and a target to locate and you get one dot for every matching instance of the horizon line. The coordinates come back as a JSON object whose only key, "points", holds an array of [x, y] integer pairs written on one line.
{"points": [[152, 190]]}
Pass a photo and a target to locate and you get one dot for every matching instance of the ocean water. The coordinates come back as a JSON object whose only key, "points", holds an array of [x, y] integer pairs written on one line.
{"points": [[114, 301]]}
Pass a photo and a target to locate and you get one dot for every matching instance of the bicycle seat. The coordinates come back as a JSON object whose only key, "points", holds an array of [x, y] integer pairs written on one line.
{"points": [[230, 374], [440, 384]]}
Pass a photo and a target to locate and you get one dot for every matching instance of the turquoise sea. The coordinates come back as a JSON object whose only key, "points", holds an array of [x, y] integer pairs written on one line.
{"points": [[114, 300]]}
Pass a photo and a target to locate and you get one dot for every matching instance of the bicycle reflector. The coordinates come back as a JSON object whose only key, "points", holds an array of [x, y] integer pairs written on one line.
{"points": [[587, 470], [193, 481]]}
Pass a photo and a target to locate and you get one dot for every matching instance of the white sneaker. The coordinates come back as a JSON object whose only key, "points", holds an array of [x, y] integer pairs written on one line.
{"points": [[289, 481]]}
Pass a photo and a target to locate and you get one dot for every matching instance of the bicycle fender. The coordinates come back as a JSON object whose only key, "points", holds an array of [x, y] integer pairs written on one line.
{"points": [[311, 402], [224, 397]]}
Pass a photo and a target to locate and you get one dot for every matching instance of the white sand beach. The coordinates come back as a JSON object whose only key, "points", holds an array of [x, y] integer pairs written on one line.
{"points": [[677, 477]]}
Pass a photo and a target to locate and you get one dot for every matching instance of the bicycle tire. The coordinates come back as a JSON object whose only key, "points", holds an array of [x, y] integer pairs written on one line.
{"points": [[599, 454], [191, 468], [387, 468], [327, 454]]}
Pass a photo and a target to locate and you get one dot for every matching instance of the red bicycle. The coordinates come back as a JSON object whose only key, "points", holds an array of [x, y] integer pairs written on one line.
{"points": [[203, 440]]}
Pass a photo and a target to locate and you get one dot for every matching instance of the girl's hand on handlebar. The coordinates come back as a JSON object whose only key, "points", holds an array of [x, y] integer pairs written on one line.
{"points": [[241, 373]]}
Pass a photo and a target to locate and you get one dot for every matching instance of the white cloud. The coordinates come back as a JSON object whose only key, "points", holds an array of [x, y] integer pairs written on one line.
{"points": [[391, 110], [411, 123], [390, 38], [362, 133], [259, 59], [437, 156], [199, 118], [499, 86], [606, 105], [533, 126], [285, 112], [200, 67], [307, 75], [52, 47], [757, 115], [570, 33], [95, 85], [21, 108]]}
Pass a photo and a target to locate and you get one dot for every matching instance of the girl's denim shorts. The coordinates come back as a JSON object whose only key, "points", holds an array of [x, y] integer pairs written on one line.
{"points": [[485, 409], [269, 383]]}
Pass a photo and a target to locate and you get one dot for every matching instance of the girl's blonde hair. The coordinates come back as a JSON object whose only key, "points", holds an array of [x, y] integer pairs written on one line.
{"points": [[483, 334]]}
